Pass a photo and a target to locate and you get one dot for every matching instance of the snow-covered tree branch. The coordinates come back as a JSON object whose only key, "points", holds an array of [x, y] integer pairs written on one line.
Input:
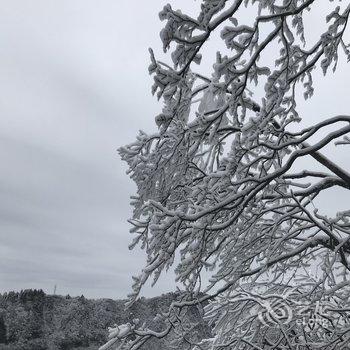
{"points": [[218, 185]]}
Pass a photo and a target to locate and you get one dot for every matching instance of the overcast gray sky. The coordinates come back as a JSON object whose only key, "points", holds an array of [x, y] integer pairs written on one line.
{"points": [[74, 87]]}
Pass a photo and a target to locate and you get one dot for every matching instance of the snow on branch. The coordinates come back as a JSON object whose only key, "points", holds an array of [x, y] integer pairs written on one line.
{"points": [[216, 184]]}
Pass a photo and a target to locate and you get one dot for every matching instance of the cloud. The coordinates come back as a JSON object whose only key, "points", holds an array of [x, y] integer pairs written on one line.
{"points": [[74, 87]]}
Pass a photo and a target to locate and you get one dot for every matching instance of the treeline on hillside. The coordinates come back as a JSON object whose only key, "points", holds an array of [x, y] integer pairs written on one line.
{"points": [[32, 320]]}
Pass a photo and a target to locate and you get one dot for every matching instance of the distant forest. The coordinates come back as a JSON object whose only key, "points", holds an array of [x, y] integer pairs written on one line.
{"points": [[32, 320]]}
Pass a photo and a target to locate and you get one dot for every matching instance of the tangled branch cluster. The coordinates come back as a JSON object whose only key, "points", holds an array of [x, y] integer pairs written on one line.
{"points": [[217, 185]]}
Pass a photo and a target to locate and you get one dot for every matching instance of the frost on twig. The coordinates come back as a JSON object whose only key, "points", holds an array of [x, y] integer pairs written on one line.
{"points": [[216, 184]]}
